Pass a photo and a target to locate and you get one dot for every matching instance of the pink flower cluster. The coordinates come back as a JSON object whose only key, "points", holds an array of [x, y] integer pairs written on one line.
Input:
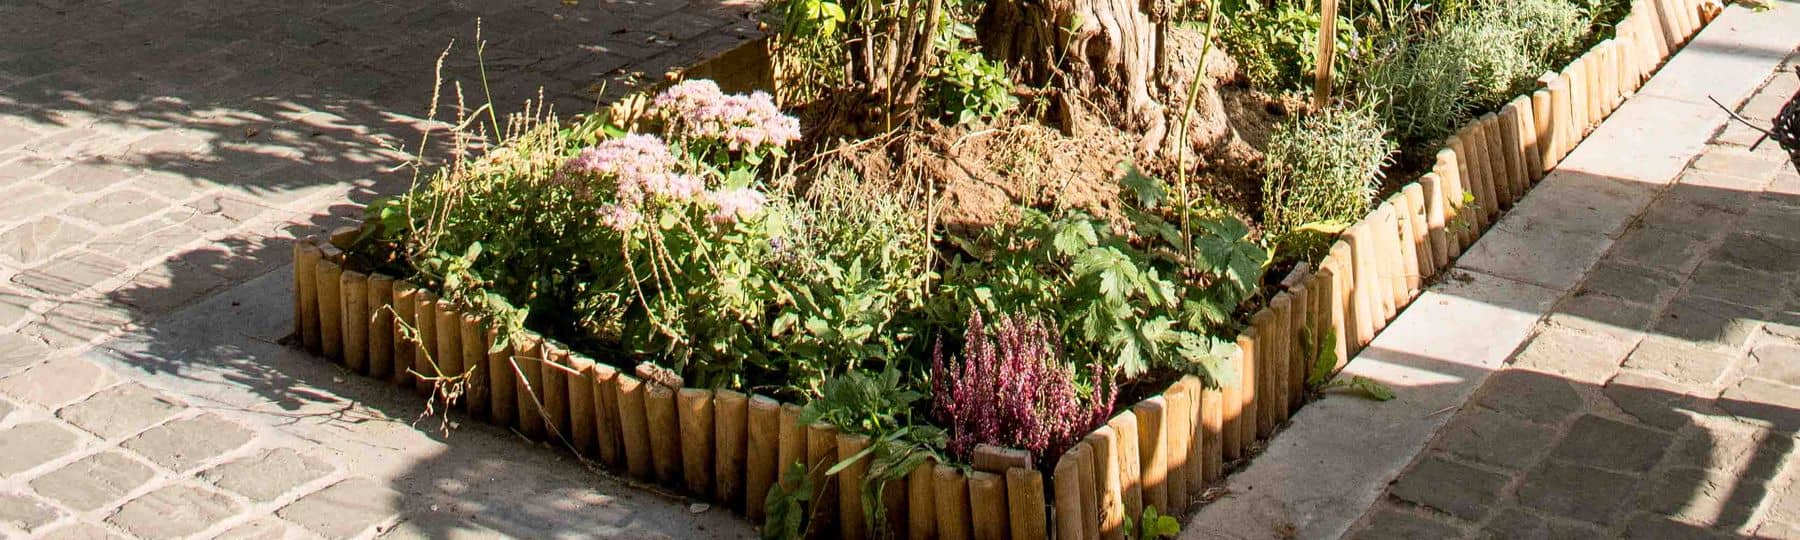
{"points": [[698, 110], [1012, 389], [731, 205]]}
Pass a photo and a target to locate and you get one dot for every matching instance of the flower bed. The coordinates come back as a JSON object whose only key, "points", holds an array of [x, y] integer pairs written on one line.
{"points": [[717, 441]]}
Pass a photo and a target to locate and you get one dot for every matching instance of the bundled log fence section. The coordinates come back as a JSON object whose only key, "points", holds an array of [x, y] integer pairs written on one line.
{"points": [[1162, 452]]}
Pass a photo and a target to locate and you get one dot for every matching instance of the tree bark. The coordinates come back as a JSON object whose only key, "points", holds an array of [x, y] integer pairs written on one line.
{"points": [[1106, 53]]}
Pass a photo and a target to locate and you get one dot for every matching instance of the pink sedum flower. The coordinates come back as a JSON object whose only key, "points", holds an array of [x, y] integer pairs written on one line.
{"points": [[733, 205], [741, 122], [620, 217], [672, 186], [688, 96]]}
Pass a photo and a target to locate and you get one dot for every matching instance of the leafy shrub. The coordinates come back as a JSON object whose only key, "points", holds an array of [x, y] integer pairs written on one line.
{"points": [[1274, 42], [965, 85], [1013, 389], [1323, 168]]}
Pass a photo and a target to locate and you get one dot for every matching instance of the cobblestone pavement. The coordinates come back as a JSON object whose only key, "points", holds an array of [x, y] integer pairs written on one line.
{"points": [[157, 155], [1662, 398]]}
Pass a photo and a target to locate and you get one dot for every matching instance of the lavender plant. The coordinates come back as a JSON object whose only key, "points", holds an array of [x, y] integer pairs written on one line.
{"points": [[1014, 389]]}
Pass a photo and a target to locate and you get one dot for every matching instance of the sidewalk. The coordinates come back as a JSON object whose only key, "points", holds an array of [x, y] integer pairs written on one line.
{"points": [[1616, 357], [154, 162]]}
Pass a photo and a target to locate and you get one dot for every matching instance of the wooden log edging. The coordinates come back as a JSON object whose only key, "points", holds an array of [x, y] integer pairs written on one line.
{"points": [[1165, 451]]}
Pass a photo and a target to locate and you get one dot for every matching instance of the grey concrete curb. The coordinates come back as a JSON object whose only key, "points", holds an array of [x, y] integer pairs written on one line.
{"points": [[1337, 456]]}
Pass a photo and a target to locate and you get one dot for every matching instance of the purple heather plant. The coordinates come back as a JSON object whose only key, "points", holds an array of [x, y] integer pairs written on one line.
{"points": [[1013, 389]]}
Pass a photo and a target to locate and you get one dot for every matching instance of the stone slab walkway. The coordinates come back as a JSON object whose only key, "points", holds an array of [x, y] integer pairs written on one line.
{"points": [[1653, 242], [155, 157], [1662, 398]]}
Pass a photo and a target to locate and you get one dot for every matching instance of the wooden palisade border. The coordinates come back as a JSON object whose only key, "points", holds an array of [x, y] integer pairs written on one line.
{"points": [[1164, 451]]}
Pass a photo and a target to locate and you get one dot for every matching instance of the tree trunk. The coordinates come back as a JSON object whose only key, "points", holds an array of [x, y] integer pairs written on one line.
{"points": [[1104, 54]]}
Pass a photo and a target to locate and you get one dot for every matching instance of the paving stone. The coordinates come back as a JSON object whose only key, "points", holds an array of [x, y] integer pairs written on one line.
{"points": [[15, 306], [268, 474], [1701, 498], [184, 444], [1389, 523], [90, 176], [1774, 215], [1495, 439], [28, 445], [70, 274], [37, 240], [26, 200], [1578, 492], [1764, 402], [1678, 360], [150, 239], [1630, 282], [1574, 354], [1777, 361], [173, 512], [57, 382], [1737, 162], [1451, 487], [25, 513], [1708, 323], [167, 286], [1669, 249], [1609, 444], [1538, 255], [345, 509], [1652, 401], [121, 410], [1739, 286], [1538, 397], [1516, 523], [5, 410], [1718, 448], [1648, 526], [1603, 315], [79, 531], [118, 207], [232, 207], [18, 352], [93, 482], [267, 528], [1756, 252], [77, 322]]}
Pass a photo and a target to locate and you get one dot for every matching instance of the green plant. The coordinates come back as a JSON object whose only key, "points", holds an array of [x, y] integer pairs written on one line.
{"points": [[879, 407], [1324, 168], [1319, 349], [1152, 526], [1274, 41], [967, 86], [788, 505]]}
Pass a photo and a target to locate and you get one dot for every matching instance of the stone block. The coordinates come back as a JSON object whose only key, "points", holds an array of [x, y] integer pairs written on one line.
{"points": [[1752, 288], [1518, 523], [267, 474], [1708, 323], [121, 410], [1630, 282], [1494, 439], [18, 352], [1578, 492], [1764, 402], [1538, 397], [25, 446], [80, 531], [1578, 355], [1776, 360], [1752, 171], [58, 382], [15, 306], [39, 239], [267, 528], [1775, 216], [1610, 444], [173, 512], [186, 443], [1583, 203], [1765, 253], [94, 482], [347, 508], [1661, 527], [1602, 315], [1651, 400], [25, 513], [71, 274], [1669, 248], [1535, 254], [1451, 487], [117, 208], [1679, 361], [1389, 522]]}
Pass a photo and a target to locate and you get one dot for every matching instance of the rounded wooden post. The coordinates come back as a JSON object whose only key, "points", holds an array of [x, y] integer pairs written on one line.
{"points": [[1125, 447], [425, 361], [694, 414], [1342, 319], [1432, 192], [306, 294], [528, 364], [1212, 420], [792, 444], [762, 468], [503, 383], [584, 424], [607, 431], [951, 503], [634, 427], [730, 410], [448, 352], [1499, 186], [660, 411], [1513, 147], [380, 326], [1088, 498], [1277, 342], [921, 510], [849, 489], [1175, 431], [1561, 117], [1195, 473], [821, 454], [1450, 202], [987, 505], [1025, 503], [1262, 324], [1295, 364], [1103, 443], [1153, 451], [406, 309], [554, 373], [353, 291], [474, 361], [1364, 303], [1542, 137], [331, 310]]}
